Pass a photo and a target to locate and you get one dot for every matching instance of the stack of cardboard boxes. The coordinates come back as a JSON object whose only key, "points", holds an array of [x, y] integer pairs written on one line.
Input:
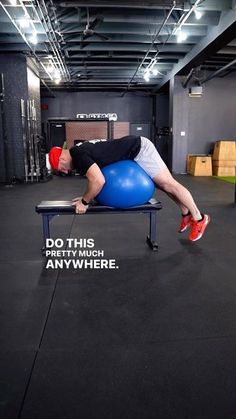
{"points": [[224, 158]]}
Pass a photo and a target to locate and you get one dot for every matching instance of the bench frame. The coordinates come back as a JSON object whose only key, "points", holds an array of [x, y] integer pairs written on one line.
{"points": [[50, 209]]}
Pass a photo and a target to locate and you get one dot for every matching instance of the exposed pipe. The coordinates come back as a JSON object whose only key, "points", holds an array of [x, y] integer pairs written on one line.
{"points": [[217, 72], [178, 26], [188, 78], [25, 40], [50, 31], [58, 49], [47, 87], [194, 6], [153, 41]]}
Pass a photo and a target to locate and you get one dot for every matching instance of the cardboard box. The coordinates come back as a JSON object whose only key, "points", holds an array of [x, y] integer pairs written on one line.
{"points": [[199, 165], [224, 150]]}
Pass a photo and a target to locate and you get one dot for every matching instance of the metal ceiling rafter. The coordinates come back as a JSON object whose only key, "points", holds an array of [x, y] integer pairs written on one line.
{"points": [[54, 44], [226, 21], [176, 28], [56, 57], [153, 42], [25, 40]]}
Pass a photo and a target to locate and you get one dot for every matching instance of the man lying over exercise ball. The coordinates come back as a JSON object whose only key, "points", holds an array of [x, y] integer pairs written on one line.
{"points": [[89, 158]]}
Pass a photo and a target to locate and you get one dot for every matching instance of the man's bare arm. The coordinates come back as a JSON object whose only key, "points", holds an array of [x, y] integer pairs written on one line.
{"points": [[95, 183]]}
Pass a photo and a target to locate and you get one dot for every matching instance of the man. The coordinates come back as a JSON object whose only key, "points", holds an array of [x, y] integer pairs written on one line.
{"points": [[90, 156]]}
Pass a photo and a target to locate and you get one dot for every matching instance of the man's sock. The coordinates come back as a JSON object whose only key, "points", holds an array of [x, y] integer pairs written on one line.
{"points": [[202, 216], [185, 215]]}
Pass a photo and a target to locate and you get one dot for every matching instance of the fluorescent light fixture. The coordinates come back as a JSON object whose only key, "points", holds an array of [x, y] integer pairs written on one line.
{"points": [[33, 39], [198, 14], [181, 36]]}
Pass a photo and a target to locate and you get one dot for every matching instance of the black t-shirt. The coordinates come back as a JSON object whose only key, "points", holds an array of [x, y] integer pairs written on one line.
{"points": [[104, 152]]}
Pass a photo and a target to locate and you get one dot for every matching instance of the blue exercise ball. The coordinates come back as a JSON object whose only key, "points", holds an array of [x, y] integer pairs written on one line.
{"points": [[127, 185]]}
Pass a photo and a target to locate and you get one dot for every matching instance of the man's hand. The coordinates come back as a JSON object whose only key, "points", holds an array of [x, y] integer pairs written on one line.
{"points": [[79, 207]]}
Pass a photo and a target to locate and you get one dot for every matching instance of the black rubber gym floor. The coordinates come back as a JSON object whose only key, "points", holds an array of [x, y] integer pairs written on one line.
{"points": [[155, 338]]}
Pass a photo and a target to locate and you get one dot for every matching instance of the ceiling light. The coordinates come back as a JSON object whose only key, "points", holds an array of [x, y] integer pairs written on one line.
{"points": [[50, 68], [155, 71], [25, 22], [57, 80], [57, 74], [13, 2], [198, 14], [181, 36], [146, 76], [33, 39]]}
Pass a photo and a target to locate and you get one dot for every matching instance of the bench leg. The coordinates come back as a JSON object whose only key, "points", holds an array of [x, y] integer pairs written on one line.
{"points": [[46, 229], [152, 237]]}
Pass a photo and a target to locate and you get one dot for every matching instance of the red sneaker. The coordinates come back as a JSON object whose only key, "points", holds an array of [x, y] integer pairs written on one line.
{"points": [[185, 222], [198, 228]]}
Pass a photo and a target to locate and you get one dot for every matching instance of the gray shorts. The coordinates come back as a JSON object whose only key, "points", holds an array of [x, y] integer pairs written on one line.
{"points": [[149, 158]]}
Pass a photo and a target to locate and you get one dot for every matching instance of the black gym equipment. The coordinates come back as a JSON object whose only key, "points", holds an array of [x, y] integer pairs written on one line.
{"points": [[3, 135], [49, 209], [34, 145]]}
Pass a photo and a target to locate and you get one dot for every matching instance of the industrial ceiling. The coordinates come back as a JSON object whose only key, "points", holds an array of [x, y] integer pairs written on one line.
{"points": [[122, 45]]}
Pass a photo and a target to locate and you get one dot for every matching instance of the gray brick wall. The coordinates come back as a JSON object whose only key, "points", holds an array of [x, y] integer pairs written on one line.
{"points": [[13, 67], [20, 83]]}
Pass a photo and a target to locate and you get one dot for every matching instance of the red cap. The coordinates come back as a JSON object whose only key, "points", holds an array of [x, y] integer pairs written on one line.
{"points": [[54, 155]]}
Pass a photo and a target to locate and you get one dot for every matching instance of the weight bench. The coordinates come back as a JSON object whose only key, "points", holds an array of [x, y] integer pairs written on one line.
{"points": [[49, 209]]}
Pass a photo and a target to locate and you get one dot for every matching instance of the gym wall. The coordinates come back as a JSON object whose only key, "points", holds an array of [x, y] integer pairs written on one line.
{"points": [[204, 120], [85, 130], [129, 107]]}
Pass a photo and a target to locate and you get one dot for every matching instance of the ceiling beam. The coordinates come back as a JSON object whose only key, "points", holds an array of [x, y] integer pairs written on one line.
{"points": [[124, 37], [143, 4], [115, 24], [130, 56], [132, 47]]}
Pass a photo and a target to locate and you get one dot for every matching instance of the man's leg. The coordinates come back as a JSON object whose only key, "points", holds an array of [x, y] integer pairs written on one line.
{"points": [[150, 160], [180, 195]]}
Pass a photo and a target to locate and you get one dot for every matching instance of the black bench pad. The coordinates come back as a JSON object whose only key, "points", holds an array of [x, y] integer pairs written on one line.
{"points": [[66, 207]]}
